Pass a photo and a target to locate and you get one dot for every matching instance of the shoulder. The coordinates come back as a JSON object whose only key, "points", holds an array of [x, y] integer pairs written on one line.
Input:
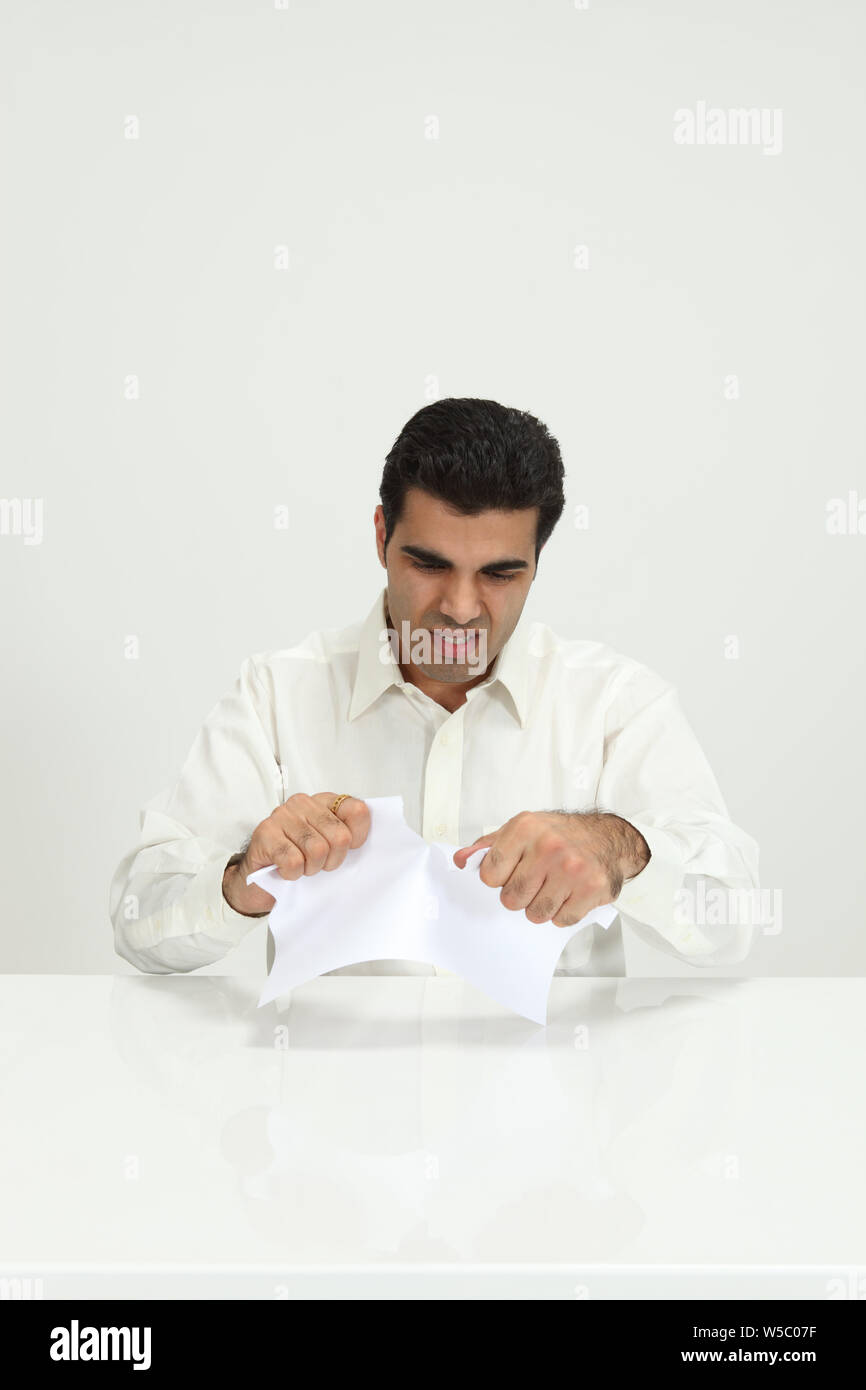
{"points": [[582, 655], [584, 666], [314, 656]]}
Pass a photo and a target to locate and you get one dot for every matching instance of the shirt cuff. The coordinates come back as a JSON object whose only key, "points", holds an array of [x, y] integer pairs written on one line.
{"points": [[201, 911], [650, 897]]}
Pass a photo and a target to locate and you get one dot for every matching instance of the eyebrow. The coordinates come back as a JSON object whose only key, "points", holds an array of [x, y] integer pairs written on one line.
{"points": [[432, 557]]}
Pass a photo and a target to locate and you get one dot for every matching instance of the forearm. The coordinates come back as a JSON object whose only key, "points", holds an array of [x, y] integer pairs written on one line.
{"points": [[654, 874], [174, 921], [166, 900], [688, 861]]}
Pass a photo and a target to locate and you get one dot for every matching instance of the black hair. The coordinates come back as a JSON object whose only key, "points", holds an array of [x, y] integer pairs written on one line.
{"points": [[477, 456]]}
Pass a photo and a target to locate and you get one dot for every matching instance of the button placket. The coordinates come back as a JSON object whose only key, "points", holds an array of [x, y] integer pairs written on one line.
{"points": [[443, 777], [443, 780]]}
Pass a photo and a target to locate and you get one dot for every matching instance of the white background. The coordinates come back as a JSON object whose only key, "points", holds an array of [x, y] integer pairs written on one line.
{"points": [[421, 267]]}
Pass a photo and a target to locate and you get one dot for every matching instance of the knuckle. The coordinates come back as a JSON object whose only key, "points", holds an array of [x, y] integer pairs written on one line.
{"points": [[540, 911], [550, 841], [288, 859], [515, 888]]}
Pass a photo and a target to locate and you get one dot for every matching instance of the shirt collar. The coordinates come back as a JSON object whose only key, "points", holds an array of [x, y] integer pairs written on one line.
{"points": [[378, 670]]}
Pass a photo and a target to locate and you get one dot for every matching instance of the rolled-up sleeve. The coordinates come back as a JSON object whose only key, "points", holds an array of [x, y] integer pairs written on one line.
{"points": [[165, 901], [655, 775]]}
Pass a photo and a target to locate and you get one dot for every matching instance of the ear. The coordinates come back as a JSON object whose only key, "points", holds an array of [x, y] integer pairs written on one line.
{"points": [[379, 524]]}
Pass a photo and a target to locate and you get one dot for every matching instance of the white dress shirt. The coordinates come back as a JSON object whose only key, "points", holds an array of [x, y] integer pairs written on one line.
{"points": [[557, 724]]}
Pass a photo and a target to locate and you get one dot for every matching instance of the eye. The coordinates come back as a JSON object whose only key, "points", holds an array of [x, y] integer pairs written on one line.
{"points": [[437, 569]]}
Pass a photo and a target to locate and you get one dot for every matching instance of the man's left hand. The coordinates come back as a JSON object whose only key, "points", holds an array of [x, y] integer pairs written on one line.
{"points": [[559, 865]]}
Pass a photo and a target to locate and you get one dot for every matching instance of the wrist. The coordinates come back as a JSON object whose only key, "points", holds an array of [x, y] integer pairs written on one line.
{"points": [[229, 880], [234, 889], [621, 847]]}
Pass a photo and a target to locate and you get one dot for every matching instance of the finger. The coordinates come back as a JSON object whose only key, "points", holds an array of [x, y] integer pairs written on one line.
{"points": [[549, 899], [279, 850], [269, 845], [461, 855], [500, 861], [353, 813], [339, 837], [298, 820], [525, 882], [333, 832], [577, 905], [574, 909]]}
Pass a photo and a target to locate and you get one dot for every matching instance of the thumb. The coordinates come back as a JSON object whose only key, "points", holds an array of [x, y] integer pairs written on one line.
{"points": [[483, 842]]}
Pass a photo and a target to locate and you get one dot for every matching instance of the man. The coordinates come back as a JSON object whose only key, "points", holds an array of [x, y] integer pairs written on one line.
{"points": [[572, 764]]}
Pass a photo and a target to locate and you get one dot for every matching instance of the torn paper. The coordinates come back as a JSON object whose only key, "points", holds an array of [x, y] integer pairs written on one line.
{"points": [[400, 897]]}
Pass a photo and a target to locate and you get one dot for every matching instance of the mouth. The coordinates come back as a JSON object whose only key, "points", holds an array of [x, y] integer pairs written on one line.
{"points": [[456, 641]]}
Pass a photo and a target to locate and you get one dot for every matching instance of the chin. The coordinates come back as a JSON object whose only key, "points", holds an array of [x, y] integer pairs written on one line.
{"points": [[454, 672]]}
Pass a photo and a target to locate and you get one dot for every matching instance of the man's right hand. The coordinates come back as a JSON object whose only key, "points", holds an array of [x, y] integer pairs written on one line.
{"points": [[300, 837]]}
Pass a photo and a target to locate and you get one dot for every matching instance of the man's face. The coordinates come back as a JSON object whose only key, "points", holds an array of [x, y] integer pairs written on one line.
{"points": [[460, 574]]}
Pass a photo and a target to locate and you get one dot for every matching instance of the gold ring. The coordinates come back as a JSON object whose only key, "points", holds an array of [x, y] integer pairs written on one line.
{"points": [[337, 802]]}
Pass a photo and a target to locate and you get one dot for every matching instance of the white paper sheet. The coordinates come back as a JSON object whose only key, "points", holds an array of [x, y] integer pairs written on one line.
{"points": [[400, 897]]}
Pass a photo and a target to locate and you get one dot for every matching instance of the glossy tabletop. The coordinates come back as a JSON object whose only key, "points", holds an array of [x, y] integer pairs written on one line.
{"points": [[405, 1136]]}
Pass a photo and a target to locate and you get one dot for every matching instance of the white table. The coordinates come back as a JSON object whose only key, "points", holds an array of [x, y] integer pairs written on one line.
{"points": [[407, 1137]]}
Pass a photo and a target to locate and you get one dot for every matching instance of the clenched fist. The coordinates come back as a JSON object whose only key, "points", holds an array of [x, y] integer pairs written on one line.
{"points": [[300, 837]]}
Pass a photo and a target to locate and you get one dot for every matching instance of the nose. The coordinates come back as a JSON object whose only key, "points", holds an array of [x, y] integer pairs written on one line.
{"points": [[459, 603]]}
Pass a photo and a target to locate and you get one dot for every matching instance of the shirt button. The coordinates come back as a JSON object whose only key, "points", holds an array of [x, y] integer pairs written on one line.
{"points": [[440, 830]]}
